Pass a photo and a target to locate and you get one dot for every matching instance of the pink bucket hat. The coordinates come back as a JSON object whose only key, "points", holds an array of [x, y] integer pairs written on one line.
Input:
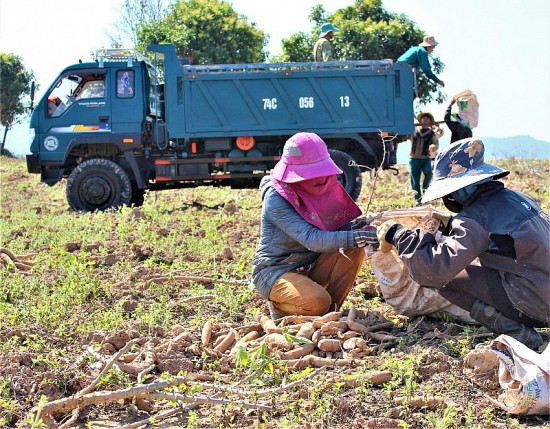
{"points": [[305, 156]]}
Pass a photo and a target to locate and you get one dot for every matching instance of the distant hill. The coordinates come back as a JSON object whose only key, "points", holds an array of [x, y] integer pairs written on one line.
{"points": [[517, 146], [497, 148]]}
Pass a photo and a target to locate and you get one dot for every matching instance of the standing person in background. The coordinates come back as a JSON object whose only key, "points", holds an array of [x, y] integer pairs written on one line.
{"points": [[417, 57], [424, 145], [459, 129], [311, 243], [323, 51], [493, 257]]}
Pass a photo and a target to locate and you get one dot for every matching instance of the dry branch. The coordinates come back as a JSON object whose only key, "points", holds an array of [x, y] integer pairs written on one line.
{"points": [[198, 279], [80, 400], [207, 400]]}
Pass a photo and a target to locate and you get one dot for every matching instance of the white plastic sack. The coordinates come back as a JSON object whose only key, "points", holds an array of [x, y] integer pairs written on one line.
{"points": [[468, 108], [524, 375], [407, 296]]}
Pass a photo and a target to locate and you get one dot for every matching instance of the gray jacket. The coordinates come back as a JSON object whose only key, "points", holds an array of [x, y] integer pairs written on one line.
{"points": [[507, 231], [287, 241]]}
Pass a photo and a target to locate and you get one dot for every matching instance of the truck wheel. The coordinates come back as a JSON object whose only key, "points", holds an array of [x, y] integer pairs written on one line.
{"points": [[98, 184], [351, 178]]}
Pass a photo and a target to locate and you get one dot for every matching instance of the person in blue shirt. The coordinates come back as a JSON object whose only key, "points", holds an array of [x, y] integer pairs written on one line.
{"points": [[417, 57]]}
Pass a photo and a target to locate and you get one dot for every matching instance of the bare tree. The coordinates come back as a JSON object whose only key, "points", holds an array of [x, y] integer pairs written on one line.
{"points": [[133, 14]]}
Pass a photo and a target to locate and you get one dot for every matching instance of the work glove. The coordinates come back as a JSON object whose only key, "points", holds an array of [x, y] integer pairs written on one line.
{"points": [[361, 222], [385, 239], [365, 235], [444, 218]]}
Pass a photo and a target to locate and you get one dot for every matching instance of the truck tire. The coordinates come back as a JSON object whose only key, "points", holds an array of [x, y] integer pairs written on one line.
{"points": [[351, 178], [98, 184]]}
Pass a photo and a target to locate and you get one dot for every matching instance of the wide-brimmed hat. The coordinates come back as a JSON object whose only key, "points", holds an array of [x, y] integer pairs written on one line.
{"points": [[305, 156], [459, 165], [327, 28], [429, 41], [429, 115]]}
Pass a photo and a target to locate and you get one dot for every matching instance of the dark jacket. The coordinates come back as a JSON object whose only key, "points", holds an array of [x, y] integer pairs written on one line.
{"points": [[287, 241], [458, 131], [506, 230]]}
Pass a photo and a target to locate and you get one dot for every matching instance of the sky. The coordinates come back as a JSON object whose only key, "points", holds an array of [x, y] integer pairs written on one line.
{"points": [[498, 49]]}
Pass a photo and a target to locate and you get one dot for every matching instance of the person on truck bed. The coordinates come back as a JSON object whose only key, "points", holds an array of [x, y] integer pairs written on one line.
{"points": [[508, 290], [323, 50], [417, 57], [311, 242]]}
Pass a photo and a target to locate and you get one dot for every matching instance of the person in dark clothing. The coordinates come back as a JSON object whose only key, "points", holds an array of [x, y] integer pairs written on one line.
{"points": [[424, 145], [508, 291], [459, 129]]}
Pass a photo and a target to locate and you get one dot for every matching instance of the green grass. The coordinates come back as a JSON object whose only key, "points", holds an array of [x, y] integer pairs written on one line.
{"points": [[93, 273]]}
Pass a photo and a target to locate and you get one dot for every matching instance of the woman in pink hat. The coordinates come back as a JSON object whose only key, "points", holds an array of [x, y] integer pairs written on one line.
{"points": [[311, 242]]}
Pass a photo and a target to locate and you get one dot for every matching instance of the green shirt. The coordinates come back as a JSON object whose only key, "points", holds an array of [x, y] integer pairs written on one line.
{"points": [[322, 51]]}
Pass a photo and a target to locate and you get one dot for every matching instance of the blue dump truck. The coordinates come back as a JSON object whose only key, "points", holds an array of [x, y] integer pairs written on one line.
{"points": [[122, 125]]}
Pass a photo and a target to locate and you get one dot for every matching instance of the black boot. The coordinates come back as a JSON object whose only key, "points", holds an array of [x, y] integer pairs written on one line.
{"points": [[498, 323]]}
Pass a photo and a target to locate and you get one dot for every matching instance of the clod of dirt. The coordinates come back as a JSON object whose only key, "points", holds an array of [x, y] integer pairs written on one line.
{"points": [[228, 253], [120, 338], [73, 247], [231, 208], [481, 360], [173, 363], [137, 214]]}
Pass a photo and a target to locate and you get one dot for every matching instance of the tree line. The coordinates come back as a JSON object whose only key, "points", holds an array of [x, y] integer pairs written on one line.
{"points": [[212, 32]]}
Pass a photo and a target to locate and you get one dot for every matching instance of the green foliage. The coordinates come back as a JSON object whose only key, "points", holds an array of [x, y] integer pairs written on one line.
{"points": [[447, 420], [206, 32], [35, 421], [367, 32], [8, 406], [15, 82]]}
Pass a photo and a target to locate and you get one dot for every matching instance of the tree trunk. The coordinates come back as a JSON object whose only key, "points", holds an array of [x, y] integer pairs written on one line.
{"points": [[3, 142]]}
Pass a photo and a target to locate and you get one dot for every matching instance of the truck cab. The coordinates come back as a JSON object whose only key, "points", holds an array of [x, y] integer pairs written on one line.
{"points": [[95, 109]]}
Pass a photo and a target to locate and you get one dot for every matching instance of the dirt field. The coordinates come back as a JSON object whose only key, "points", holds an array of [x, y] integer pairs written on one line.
{"points": [[161, 292]]}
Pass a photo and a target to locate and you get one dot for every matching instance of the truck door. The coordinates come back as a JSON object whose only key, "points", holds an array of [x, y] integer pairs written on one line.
{"points": [[76, 105], [128, 102]]}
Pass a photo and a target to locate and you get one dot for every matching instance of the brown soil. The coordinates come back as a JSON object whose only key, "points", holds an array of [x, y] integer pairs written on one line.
{"points": [[443, 373]]}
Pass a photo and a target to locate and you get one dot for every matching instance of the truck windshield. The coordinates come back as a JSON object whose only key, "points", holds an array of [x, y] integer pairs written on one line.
{"points": [[72, 87]]}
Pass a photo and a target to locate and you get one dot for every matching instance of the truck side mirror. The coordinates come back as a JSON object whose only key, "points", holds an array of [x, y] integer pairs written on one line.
{"points": [[32, 94]]}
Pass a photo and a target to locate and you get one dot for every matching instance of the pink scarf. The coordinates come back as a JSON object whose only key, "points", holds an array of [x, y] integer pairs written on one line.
{"points": [[322, 202]]}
